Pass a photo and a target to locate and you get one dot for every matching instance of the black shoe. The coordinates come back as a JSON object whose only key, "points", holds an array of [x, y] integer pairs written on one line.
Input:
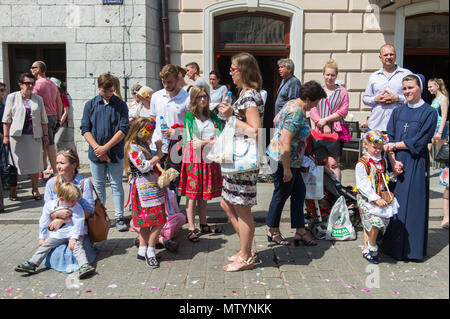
{"points": [[170, 245], [152, 262], [140, 257], [121, 225], [26, 267], [85, 271], [371, 256]]}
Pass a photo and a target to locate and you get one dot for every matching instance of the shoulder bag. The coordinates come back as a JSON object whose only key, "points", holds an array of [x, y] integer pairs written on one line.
{"points": [[442, 155], [99, 222], [9, 171], [344, 134]]}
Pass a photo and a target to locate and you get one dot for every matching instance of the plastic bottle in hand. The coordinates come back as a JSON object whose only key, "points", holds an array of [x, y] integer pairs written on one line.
{"points": [[226, 99], [164, 126]]}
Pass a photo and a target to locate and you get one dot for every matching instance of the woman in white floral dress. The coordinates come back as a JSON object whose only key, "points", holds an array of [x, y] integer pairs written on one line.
{"points": [[239, 190]]}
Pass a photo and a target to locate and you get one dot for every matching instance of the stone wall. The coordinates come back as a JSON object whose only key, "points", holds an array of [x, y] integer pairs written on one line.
{"points": [[121, 39]]}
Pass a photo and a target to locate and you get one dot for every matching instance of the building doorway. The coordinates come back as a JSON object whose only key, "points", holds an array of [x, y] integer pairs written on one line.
{"points": [[426, 48], [264, 35], [21, 56]]}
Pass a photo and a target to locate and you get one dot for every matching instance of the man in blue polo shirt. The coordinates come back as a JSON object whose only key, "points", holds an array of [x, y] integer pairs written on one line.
{"points": [[104, 126], [289, 86]]}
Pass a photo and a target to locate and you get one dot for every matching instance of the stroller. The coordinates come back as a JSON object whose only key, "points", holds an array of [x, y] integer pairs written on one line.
{"points": [[318, 210]]}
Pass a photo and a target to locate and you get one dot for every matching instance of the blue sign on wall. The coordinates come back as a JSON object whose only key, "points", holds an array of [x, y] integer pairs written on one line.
{"points": [[112, 1]]}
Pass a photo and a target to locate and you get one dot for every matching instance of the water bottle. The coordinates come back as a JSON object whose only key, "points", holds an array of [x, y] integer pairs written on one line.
{"points": [[164, 126], [226, 99]]}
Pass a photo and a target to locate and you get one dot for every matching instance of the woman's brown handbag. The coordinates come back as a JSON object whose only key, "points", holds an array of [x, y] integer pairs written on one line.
{"points": [[387, 196], [99, 222]]}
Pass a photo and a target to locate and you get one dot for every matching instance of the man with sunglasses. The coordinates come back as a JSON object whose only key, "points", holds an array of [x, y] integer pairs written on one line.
{"points": [[49, 92]]}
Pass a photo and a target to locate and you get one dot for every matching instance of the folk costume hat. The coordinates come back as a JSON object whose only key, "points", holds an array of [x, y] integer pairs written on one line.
{"points": [[382, 139], [148, 129]]}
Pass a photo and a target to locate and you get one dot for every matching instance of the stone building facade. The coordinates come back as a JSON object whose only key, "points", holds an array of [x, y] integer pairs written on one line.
{"points": [[126, 39]]}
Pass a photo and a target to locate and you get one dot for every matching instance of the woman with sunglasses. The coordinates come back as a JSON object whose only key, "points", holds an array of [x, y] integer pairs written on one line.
{"points": [[135, 103], [239, 190], [25, 130]]}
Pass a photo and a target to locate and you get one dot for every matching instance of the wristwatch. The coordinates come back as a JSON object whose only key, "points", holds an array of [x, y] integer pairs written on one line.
{"points": [[395, 147]]}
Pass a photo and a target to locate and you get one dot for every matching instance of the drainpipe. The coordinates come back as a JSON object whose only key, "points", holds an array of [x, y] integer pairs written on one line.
{"points": [[391, 2], [165, 50]]}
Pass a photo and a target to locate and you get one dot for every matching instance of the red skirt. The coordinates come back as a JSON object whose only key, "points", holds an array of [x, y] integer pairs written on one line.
{"points": [[199, 179], [146, 216]]}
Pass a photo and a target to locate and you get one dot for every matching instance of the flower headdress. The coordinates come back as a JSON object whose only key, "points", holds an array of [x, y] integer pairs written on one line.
{"points": [[148, 129], [382, 139]]}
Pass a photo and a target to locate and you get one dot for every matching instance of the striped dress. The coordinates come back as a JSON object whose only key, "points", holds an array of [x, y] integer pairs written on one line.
{"points": [[147, 199], [240, 189]]}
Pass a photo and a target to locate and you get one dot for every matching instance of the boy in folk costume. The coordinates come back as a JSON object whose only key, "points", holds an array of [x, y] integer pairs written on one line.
{"points": [[377, 204]]}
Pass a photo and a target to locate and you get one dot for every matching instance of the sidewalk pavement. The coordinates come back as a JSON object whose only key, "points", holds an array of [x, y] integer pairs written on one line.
{"points": [[330, 270], [26, 210]]}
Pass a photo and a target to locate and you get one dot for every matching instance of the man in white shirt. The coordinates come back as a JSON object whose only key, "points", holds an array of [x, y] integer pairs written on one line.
{"points": [[172, 103], [193, 73], [384, 90]]}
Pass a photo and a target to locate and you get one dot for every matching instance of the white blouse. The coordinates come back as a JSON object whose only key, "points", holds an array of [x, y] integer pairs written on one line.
{"points": [[368, 190]]}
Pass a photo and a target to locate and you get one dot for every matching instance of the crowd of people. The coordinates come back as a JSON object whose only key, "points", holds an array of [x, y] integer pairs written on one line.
{"points": [[177, 125]]}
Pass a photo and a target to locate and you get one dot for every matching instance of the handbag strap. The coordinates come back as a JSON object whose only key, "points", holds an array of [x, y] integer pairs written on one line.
{"points": [[10, 154]]}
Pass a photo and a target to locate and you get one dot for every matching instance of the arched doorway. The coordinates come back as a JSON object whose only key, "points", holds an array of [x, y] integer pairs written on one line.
{"points": [[426, 45], [265, 35]]}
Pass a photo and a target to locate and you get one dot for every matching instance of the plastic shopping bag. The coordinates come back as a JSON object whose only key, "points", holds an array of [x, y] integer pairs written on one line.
{"points": [[339, 225], [222, 150], [314, 184]]}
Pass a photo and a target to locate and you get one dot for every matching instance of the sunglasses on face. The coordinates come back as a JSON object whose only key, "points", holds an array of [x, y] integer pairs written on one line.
{"points": [[200, 97], [233, 69], [28, 83], [134, 93], [34, 67], [2, 90]]}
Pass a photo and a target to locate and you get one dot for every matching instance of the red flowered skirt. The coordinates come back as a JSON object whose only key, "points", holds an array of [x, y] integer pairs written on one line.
{"points": [[199, 179], [146, 216]]}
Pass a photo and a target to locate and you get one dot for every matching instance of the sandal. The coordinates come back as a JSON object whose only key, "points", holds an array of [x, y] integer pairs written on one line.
{"points": [[247, 264], [254, 256], [209, 229], [36, 197], [310, 242], [445, 225], [13, 198], [281, 241], [192, 236]]}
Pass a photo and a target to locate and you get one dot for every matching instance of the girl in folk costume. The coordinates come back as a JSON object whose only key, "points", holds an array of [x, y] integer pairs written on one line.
{"points": [[200, 179], [147, 199], [377, 204]]}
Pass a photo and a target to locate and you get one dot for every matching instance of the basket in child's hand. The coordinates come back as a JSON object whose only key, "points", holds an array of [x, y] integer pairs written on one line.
{"points": [[387, 196], [166, 176]]}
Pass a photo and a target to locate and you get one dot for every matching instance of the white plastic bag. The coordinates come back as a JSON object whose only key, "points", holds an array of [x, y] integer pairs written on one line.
{"points": [[339, 225], [314, 184], [222, 150]]}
